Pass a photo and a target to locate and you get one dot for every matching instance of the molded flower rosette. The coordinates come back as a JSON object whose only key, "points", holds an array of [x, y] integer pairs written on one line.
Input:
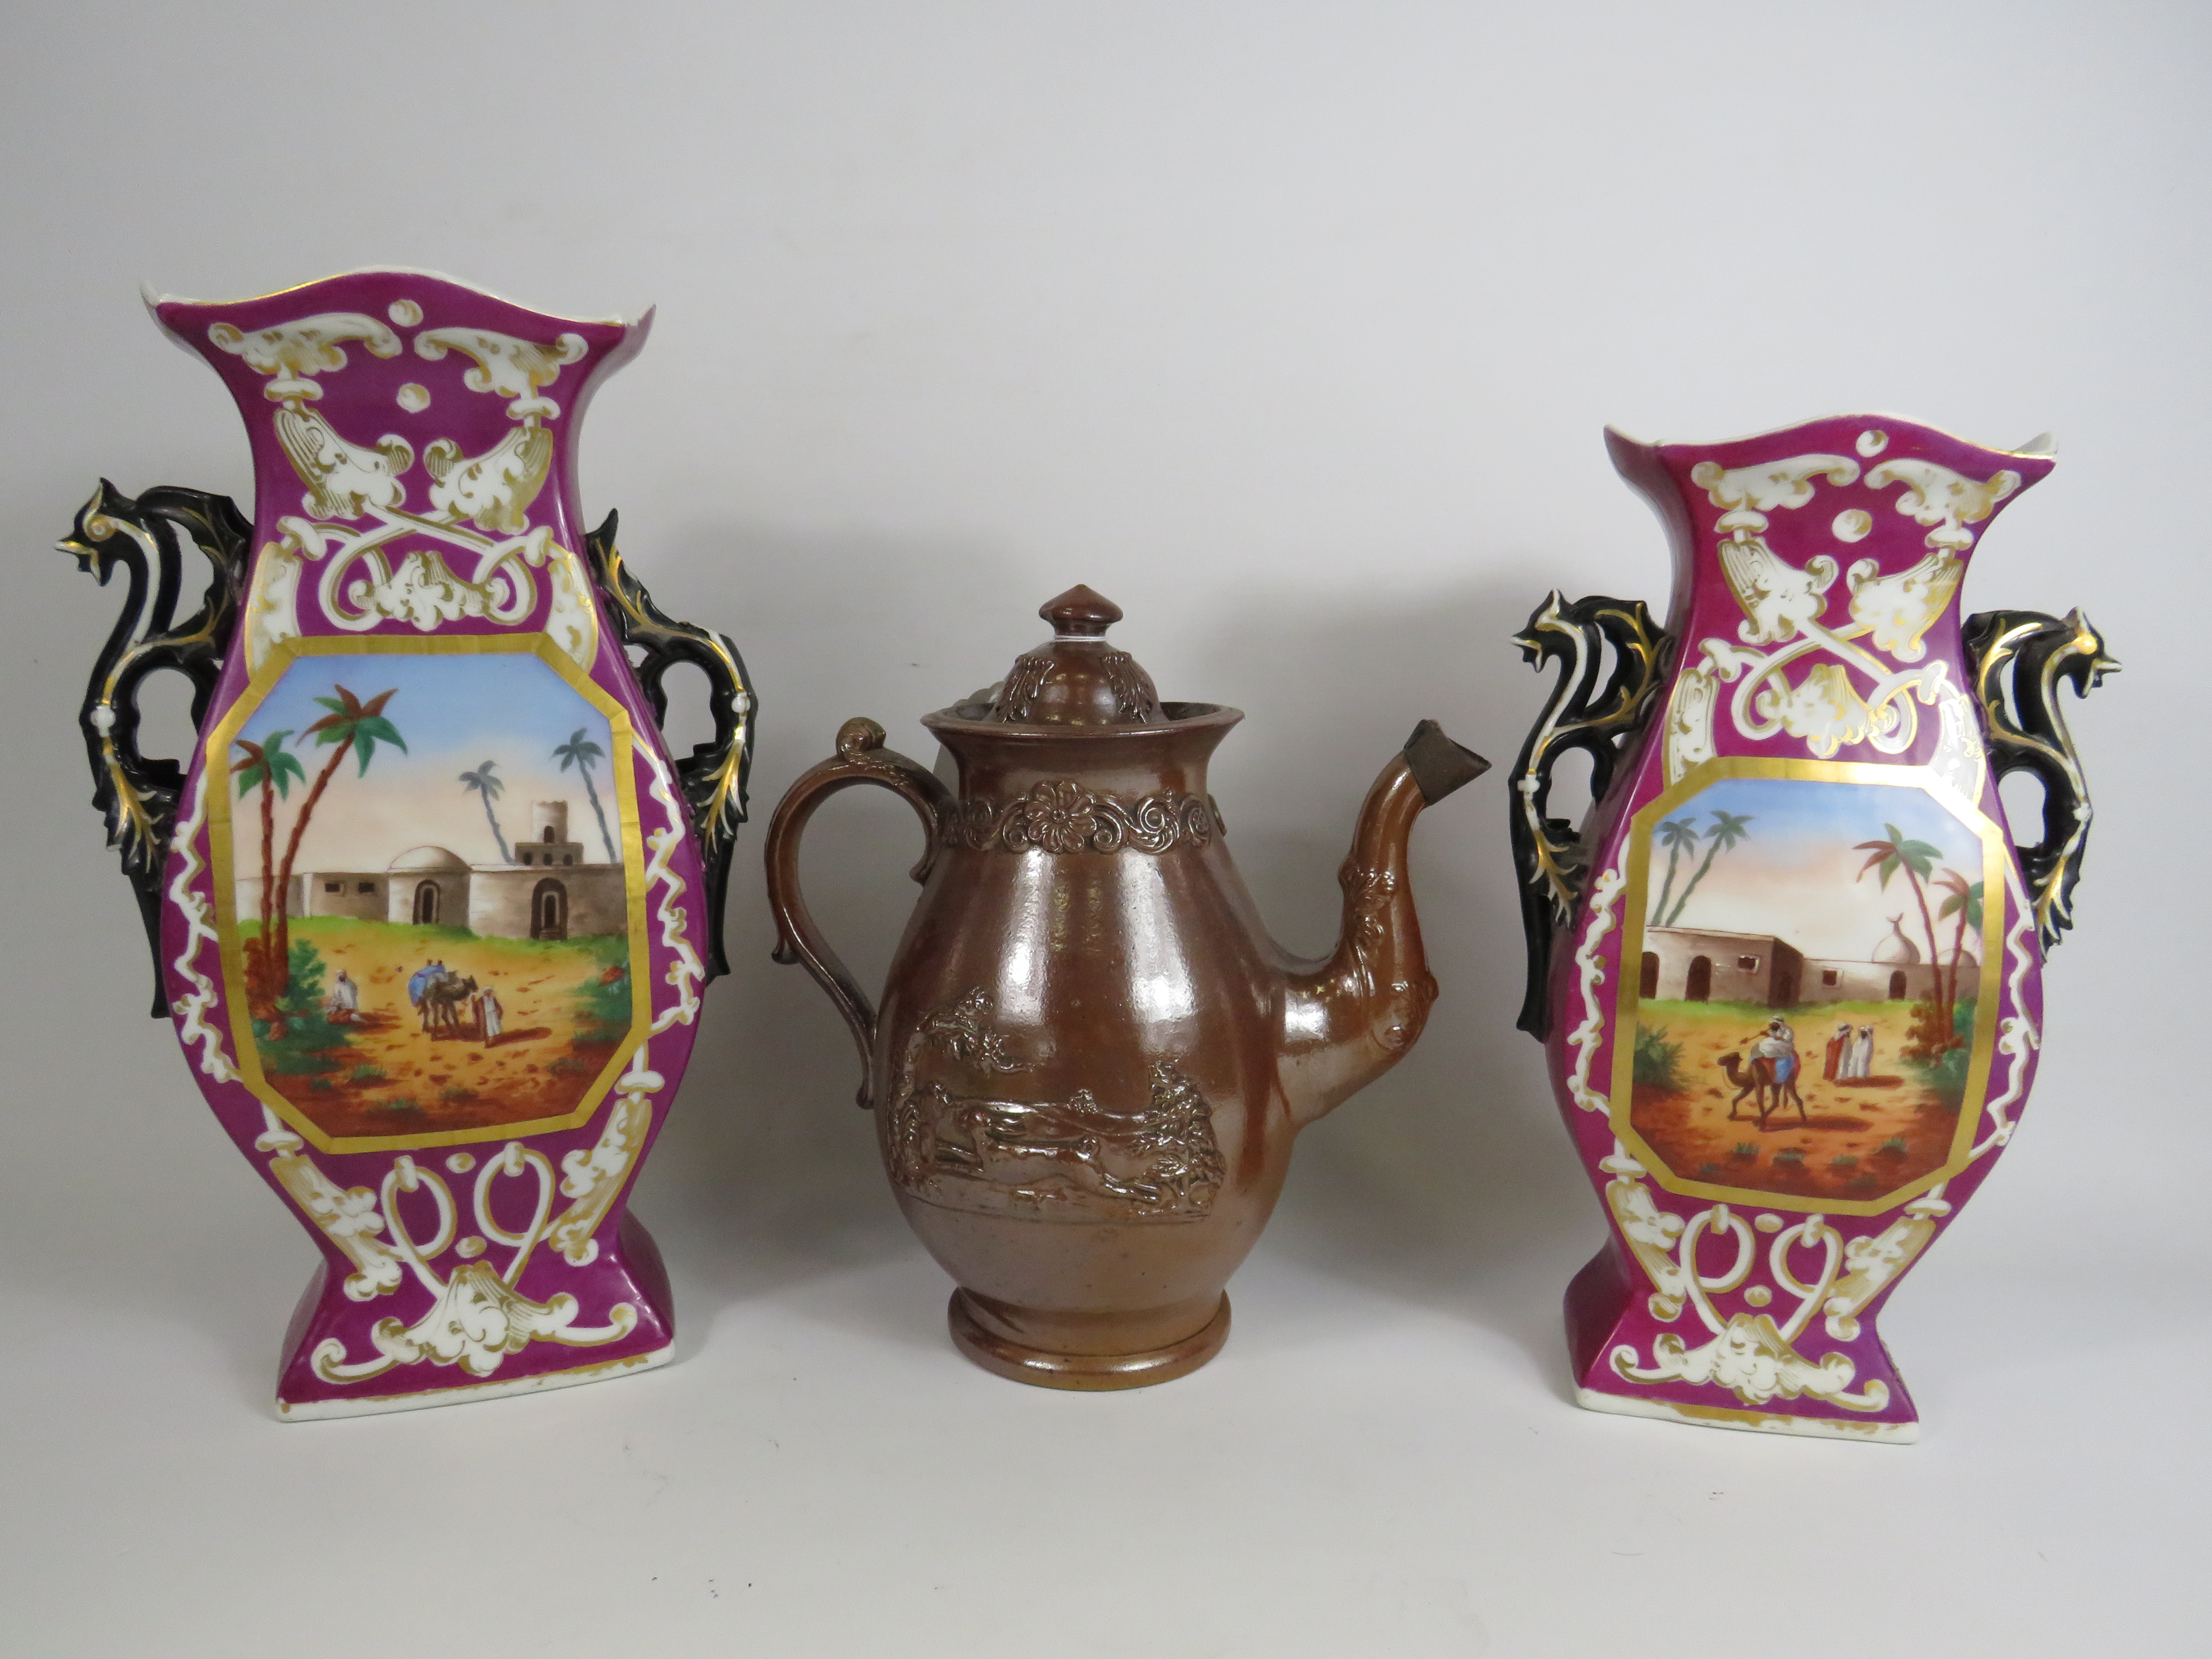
{"points": [[1789, 970], [431, 903]]}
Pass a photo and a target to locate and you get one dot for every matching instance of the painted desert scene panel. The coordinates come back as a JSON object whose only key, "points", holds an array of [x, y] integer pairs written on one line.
{"points": [[429, 891], [1806, 988]]}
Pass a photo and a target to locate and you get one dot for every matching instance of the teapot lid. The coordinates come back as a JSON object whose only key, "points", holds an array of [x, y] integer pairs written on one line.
{"points": [[1076, 678]]}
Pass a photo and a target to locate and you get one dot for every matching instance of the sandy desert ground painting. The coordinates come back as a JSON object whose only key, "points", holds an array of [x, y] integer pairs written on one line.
{"points": [[1806, 985], [430, 927]]}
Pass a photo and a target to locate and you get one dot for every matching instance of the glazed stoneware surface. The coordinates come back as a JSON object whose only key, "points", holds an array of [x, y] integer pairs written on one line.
{"points": [[435, 913], [1090, 1061], [1790, 972]]}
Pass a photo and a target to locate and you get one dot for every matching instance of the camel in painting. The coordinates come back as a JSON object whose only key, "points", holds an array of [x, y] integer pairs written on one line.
{"points": [[1771, 1091], [443, 998]]}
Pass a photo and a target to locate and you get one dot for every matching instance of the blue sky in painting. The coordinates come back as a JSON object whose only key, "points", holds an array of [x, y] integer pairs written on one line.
{"points": [[455, 711], [1797, 874]]}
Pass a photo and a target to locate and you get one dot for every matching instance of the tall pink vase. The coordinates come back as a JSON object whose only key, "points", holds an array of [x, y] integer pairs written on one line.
{"points": [[1789, 972], [431, 903]]}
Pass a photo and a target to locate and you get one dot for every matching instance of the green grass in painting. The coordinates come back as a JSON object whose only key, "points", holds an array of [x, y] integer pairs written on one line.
{"points": [[1946, 1078], [1658, 1062], [307, 1040]]}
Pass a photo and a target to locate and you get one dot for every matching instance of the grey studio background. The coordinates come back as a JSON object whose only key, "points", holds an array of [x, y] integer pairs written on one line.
{"points": [[1292, 327]]}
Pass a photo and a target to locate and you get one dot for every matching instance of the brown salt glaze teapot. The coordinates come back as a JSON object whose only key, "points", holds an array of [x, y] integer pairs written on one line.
{"points": [[1090, 1060]]}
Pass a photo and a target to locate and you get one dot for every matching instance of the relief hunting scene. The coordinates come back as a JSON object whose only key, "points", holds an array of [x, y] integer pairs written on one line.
{"points": [[429, 891], [1806, 991]]}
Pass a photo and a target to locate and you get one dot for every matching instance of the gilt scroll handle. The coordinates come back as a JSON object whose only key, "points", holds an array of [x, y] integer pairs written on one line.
{"points": [[1599, 708], [2018, 660], [713, 776], [140, 795], [860, 758]]}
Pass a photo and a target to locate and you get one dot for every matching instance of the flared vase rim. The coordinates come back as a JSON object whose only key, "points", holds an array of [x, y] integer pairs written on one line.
{"points": [[2044, 446], [155, 299]]}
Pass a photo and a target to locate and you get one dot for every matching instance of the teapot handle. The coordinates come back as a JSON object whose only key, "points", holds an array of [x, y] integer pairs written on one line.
{"points": [[860, 758], [141, 795]]}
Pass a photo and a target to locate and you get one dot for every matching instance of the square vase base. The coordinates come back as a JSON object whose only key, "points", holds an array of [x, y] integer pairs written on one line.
{"points": [[1756, 1422], [305, 1411]]}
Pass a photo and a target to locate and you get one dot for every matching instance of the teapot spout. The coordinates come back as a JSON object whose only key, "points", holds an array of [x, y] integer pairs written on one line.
{"points": [[1357, 1015]]}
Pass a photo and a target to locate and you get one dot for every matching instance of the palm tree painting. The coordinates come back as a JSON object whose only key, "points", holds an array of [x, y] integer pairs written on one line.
{"points": [[1964, 901], [482, 782], [1819, 1040], [1728, 828], [1917, 859], [581, 752], [273, 769], [1676, 835], [351, 727], [424, 963]]}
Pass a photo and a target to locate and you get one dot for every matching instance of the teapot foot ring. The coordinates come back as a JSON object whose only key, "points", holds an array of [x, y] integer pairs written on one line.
{"points": [[1044, 1369]]}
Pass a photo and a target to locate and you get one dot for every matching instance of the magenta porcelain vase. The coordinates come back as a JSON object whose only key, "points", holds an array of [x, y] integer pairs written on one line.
{"points": [[431, 903], [1788, 973]]}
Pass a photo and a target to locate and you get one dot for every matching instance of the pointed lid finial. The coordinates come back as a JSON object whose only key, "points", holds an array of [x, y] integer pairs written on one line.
{"points": [[1081, 613], [1075, 678]]}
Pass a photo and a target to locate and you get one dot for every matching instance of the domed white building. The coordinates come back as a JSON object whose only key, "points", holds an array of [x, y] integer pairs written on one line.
{"points": [[424, 882], [550, 889], [1703, 965], [1896, 950]]}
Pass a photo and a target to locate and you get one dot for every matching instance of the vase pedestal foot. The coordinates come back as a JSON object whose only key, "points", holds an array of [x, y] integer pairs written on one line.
{"points": [[404, 1351], [980, 1335], [1713, 1378]]}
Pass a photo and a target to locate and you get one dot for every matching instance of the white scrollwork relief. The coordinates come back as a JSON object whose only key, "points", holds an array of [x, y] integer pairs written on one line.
{"points": [[686, 973], [1590, 972], [296, 352], [1827, 709], [1748, 1353], [1948, 502], [1875, 1260], [2017, 1036], [483, 573], [505, 366], [592, 1180], [492, 490], [191, 1010], [344, 479], [348, 1216], [477, 1317]]}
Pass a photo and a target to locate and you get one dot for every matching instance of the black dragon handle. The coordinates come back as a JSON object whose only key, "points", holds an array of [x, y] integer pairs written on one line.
{"points": [[140, 795], [1597, 709], [715, 775], [2019, 660]]}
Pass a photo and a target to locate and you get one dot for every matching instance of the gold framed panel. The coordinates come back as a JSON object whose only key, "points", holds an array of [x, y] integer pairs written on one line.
{"points": [[1995, 906], [214, 758]]}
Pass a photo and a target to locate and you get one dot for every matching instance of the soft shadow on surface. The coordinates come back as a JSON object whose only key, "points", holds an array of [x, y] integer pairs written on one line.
{"points": [[1450, 1183], [766, 1176]]}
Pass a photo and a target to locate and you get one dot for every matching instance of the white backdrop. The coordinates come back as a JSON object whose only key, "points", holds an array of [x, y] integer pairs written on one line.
{"points": [[1292, 327]]}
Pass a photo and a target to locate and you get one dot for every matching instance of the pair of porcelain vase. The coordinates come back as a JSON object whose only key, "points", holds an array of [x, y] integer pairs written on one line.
{"points": [[432, 905]]}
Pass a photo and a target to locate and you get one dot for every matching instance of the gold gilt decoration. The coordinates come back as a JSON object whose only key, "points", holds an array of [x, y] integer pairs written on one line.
{"points": [[1748, 1354], [145, 539], [477, 1317], [713, 775], [1607, 651], [2021, 658], [1783, 604], [593, 1180], [423, 569]]}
